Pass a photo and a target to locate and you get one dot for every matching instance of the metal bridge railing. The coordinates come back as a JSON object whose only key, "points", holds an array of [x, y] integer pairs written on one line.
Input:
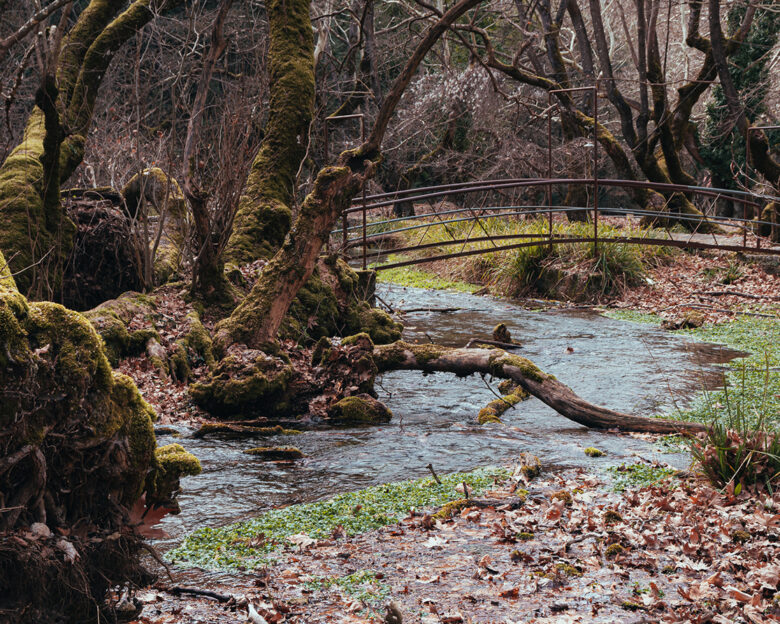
{"points": [[372, 203]]}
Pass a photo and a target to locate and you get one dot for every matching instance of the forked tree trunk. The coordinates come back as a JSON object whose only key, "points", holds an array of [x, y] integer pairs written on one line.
{"points": [[499, 363], [257, 320]]}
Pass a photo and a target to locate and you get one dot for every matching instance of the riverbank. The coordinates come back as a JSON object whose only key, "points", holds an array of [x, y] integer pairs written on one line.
{"points": [[563, 547]]}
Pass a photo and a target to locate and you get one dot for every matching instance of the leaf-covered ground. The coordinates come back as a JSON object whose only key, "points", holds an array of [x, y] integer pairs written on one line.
{"points": [[574, 551]]}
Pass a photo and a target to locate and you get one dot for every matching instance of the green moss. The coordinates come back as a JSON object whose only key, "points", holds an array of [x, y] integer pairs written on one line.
{"points": [[530, 466], [27, 206], [276, 452], [613, 550], [244, 382], [75, 347], [264, 217], [525, 536], [232, 546], [492, 411], [450, 509], [377, 324], [242, 430], [740, 537], [592, 451], [500, 360], [321, 351], [360, 409], [178, 363], [610, 516], [567, 569], [362, 339], [564, 496]]}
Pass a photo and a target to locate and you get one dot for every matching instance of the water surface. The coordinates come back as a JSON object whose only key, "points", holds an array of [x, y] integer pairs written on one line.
{"points": [[629, 367]]}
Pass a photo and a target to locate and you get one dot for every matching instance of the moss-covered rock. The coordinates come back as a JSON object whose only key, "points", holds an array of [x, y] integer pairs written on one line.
{"points": [[60, 400], [247, 381], [242, 431], [112, 318], [769, 215], [276, 453], [360, 409], [172, 463]]}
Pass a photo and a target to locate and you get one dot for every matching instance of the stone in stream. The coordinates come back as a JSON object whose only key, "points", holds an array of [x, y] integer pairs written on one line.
{"points": [[276, 453]]}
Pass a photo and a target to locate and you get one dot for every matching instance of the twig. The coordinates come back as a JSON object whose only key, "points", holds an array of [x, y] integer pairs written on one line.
{"points": [[177, 591], [735, 293], [384, 303], [495, 394], [433, 472], [155, 555]]}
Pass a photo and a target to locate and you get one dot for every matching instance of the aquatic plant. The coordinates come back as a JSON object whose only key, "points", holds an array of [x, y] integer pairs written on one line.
{"points": [[249, 544]]}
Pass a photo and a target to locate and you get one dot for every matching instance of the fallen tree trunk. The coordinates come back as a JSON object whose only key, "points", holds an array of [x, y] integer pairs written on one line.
{"points": [[498, 363]]}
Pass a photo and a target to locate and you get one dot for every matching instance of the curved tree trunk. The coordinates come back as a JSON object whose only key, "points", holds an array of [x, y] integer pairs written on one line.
{"points": [[499, 363], [257, 320]]}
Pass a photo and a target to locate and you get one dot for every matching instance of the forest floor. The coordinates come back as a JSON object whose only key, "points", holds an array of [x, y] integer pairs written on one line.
{"points": [[564, 548], [576, 549]]}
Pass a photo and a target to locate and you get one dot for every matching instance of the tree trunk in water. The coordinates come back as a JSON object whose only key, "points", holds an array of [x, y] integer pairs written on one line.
{"points": [[499, 363]]}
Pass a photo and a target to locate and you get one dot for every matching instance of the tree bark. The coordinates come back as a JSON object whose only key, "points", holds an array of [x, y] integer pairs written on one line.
{"points": [[256, 321], [264, 210], [499, 363]]}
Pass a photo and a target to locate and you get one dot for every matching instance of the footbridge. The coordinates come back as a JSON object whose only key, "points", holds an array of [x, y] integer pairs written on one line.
{"points": [[464, 217]]}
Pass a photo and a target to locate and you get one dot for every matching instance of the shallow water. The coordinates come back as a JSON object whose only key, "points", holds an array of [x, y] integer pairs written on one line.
{"points": [[629, 367]]}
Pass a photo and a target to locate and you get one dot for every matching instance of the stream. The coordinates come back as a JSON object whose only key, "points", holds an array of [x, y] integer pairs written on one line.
{"points": [[630, 367]]}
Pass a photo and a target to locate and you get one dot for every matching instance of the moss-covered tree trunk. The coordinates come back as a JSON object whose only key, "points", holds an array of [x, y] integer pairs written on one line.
{"points": [[499, 363], [77, 448], [35, 234], [264, 212], [257, 319]]}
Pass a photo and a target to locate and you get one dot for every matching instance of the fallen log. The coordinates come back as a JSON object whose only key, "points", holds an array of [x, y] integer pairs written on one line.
{"points": [[431, 358]]}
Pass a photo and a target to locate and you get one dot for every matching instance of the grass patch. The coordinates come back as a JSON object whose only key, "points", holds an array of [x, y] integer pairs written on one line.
{"points": [[541, 269], [250, 544], [633, 316], [410, 276], [363, 585], [637, 475], [752, 384]]}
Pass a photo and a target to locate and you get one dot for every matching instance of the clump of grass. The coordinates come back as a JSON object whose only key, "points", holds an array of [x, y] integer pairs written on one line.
{"points": [[250, 544], [538, 268], [592, 451], [751, 389], [409, 276], [739, 451], [634, 316]]}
